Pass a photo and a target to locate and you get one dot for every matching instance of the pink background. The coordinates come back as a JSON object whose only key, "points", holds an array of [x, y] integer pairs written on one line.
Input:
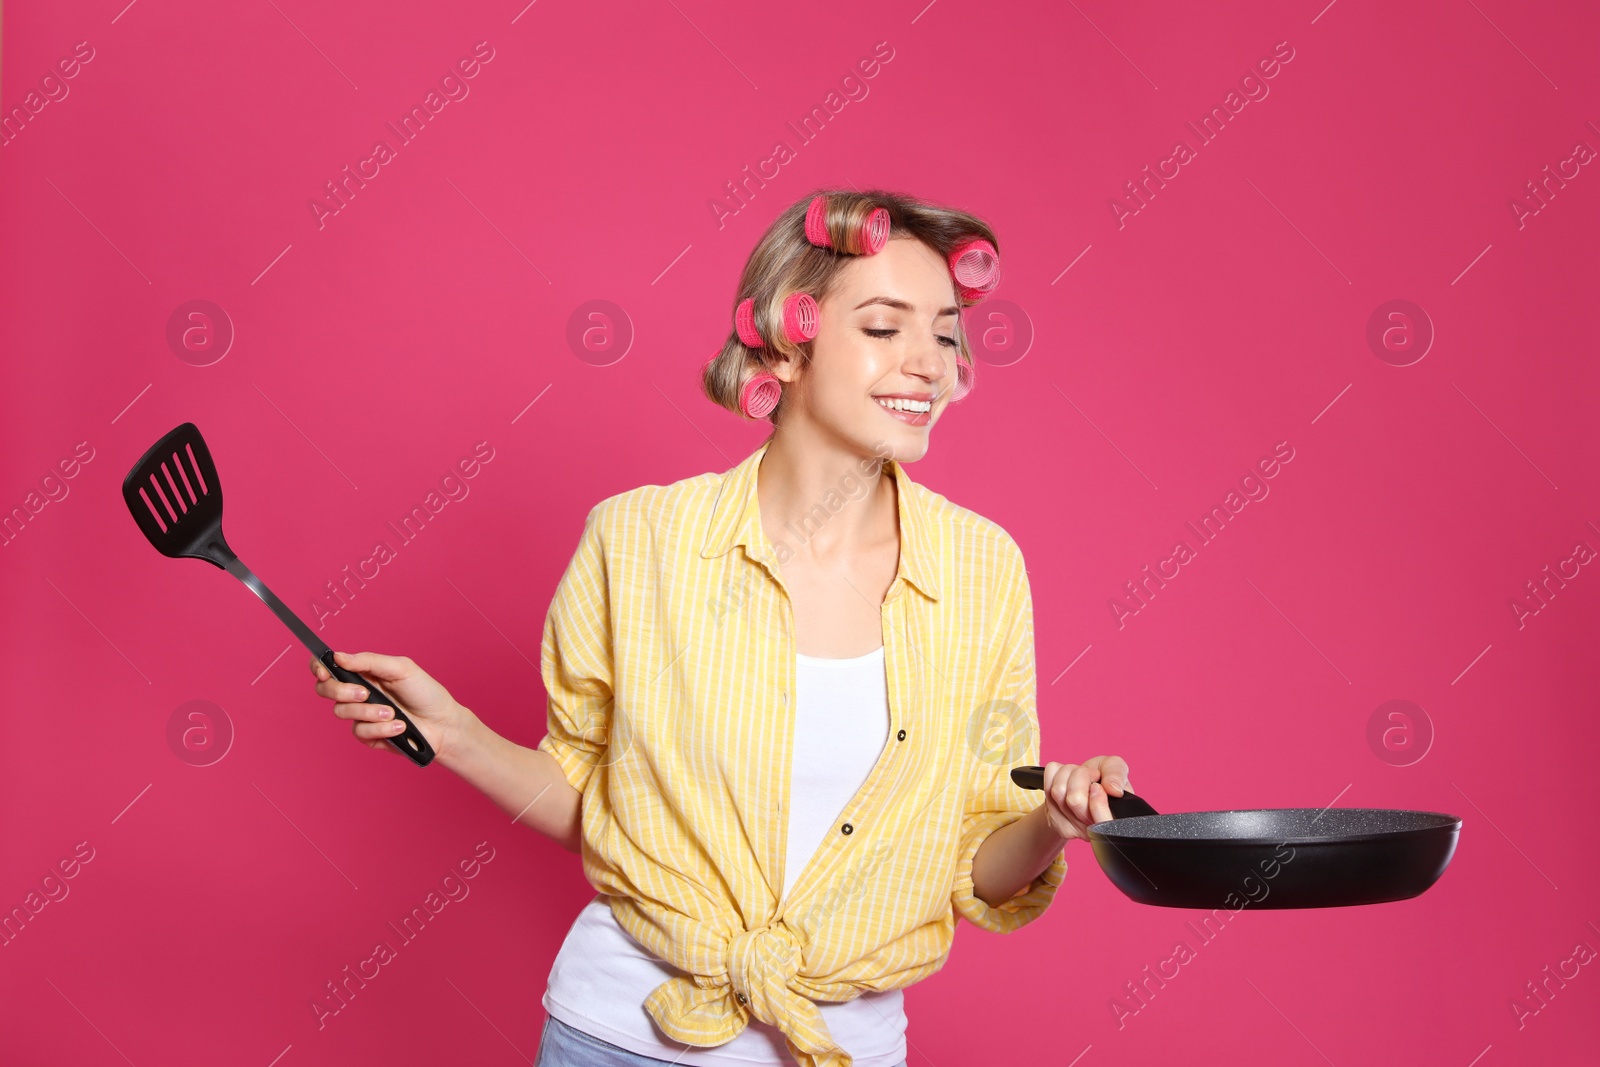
{"points": [[371, 353]]}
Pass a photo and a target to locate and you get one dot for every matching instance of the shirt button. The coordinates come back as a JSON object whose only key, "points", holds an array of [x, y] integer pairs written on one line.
{"points": [[901, 735], [740, 998], [846, 829]]}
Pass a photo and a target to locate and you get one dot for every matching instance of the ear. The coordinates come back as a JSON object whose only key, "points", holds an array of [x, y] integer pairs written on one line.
{"points": [[782, 367]]}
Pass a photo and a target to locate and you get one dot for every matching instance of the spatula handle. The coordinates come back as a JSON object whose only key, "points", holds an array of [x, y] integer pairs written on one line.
{"points": [[411, 743]]}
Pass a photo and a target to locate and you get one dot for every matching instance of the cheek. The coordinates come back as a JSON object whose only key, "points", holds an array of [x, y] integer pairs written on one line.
{"points": [[849, 369], [846, 389]]}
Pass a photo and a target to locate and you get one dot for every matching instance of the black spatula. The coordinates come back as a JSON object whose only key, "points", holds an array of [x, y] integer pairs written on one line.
{"points": [[176, 499]]}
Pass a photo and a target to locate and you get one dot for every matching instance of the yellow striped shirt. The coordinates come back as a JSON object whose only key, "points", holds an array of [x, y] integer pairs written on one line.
{"points": [[669, 660]]}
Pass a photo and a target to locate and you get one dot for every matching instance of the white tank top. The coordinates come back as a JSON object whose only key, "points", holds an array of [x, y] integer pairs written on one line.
{"points": [[602, 975]]}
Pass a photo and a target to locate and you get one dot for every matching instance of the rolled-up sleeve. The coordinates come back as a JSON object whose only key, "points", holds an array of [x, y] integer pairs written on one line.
{"points": [[575, 659], [1003, 731]]}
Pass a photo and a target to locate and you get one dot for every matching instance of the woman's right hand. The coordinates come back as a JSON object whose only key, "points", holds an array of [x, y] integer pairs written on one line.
{"points": [[426, 702]]}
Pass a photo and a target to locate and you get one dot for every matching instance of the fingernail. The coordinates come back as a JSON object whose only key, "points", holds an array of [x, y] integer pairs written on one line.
{"points": [[361, 692], [386, 713], [396, 727]]}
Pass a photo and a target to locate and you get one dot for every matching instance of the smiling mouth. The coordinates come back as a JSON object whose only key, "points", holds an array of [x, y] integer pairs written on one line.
{"points": [[913, 407]]}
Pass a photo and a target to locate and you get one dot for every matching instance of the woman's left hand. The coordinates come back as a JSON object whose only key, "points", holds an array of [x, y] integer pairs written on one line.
{"points": [[1075, 793]]}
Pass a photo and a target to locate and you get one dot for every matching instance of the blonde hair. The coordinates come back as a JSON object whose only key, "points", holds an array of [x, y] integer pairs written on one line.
{"points": [[785, 262]]}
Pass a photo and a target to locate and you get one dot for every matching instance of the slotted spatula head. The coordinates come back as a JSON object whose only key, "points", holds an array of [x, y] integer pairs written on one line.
{"points": [[176, 499]]}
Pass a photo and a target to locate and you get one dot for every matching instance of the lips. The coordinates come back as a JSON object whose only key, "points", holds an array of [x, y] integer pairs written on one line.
{"points": [[912, 418]]}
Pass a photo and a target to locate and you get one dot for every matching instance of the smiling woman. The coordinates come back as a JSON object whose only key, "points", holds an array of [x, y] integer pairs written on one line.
{"points": [[799, 754], [771, 721]]}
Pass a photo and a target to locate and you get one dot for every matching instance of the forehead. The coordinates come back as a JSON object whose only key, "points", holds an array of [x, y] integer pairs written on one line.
{"points": [[905, 268]]}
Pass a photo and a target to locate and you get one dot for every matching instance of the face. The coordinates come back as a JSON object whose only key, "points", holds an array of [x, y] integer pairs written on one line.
{"points": [[889, 333]]}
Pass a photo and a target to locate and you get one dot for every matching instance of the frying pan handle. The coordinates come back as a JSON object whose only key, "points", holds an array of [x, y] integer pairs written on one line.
{"points": [[1123, 807], [411, 743]]}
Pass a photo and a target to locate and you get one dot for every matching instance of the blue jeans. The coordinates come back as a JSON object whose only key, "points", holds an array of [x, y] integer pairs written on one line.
{"points": [[561, 1045]]}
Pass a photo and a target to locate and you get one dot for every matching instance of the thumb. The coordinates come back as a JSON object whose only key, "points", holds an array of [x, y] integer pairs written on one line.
{"points": [[374, 665]]}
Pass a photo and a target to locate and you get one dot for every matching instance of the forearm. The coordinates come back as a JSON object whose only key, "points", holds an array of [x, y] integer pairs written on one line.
{"points": [[1013, 856], [527, 783]]}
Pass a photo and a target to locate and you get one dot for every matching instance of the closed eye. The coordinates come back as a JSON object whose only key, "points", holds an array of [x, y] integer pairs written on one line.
{"points": [[948, 342]]}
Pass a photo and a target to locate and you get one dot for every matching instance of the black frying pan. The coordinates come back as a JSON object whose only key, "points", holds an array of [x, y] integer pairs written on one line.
{"points": [[1267, 858]]}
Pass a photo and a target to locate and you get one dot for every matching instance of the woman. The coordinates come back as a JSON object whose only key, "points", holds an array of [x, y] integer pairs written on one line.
{"points": [[784, 699]]}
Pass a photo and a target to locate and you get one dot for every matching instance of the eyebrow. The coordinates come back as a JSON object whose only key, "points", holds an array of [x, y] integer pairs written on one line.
{"points": [[902, 305]]}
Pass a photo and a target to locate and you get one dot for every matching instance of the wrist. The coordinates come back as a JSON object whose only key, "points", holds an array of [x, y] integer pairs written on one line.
{"points": [[1054, 831], [460, 734], [1047, 841]]}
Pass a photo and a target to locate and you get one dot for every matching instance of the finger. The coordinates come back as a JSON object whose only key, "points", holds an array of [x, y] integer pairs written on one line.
{"points": [[364, 712], [377, 742], [377, 666], [1098, 808], [1077, 798], [333, 689], [1113, 774], [1055, 782], [318, 669], [378, 731]]}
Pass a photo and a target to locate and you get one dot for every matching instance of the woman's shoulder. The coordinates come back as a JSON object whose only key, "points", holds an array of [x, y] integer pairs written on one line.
{"points": [[969, 532], [653, 504]]}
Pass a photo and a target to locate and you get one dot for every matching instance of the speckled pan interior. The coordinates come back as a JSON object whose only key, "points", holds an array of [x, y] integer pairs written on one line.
{"points": [[1275, 824]]}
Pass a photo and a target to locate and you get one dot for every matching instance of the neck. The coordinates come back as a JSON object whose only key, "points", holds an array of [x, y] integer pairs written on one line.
{"points": [[824, 500]]}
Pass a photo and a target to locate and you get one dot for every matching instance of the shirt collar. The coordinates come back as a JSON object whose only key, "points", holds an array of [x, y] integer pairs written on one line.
{"points": [[736, 520]]}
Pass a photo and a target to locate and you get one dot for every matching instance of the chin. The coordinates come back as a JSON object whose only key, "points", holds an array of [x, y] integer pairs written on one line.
{"points": [[910, 446]]}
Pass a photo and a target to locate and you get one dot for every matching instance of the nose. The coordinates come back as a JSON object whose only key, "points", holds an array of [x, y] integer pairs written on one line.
{"points": [[932, 362]]}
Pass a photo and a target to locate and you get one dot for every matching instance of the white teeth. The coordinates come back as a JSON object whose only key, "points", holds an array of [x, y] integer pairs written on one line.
{"points": [[906, 405]]}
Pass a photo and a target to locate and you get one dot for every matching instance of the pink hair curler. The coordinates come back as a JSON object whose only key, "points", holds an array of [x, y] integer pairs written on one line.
{"points": [[975, 264], [800, 317], [744, 323], [874, 231], [760, 395], [817, 222], [966, 378]]}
